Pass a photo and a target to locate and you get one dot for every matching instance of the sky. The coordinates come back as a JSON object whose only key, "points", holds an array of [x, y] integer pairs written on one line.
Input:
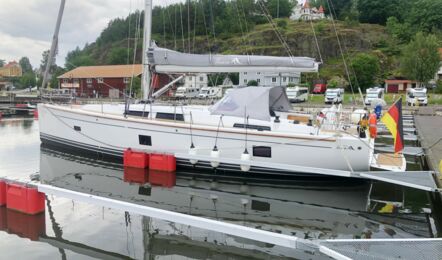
{"points": [[27, 27]]}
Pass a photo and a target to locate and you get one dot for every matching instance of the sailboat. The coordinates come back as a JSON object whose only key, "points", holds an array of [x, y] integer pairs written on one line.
{"points": [[249, 130]]}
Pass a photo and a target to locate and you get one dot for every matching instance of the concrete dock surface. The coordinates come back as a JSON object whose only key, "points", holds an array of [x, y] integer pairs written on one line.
{"points": [[429, 129]]}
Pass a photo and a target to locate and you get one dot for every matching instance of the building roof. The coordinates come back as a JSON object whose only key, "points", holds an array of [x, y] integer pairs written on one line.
{"points": [[306, 4], [106, 71], [321, 10], [398, 81], [11, 64]]}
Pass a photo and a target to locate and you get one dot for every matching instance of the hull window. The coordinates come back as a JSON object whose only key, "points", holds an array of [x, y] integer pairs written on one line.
{"points": [[262, 151], [170, 116], [145, 140], [146, 191], [77, 128], [260, 205], [254, 127], [137, 113]]}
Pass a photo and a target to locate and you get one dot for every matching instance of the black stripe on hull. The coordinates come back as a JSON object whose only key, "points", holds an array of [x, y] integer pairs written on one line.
{"points": [[114, 155]]}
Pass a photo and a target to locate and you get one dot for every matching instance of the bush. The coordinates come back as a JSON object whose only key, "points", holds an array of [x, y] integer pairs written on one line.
{"points": [[439, 87], [282, 24], [252, 83]]}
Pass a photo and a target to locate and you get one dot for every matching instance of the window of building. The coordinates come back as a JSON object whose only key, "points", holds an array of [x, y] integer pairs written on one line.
{"points": [[100, 80], [76, 81], [190, 77], [201, 79], [245, 81], [89, 81], [284, 79], [65, 80], [258, 80], [258, 73], [245, 73], [274, 79], [126, 80]]}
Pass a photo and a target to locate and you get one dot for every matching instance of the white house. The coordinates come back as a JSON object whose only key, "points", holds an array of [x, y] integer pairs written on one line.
{"points": [[268, 79], [198, 81], [304, 12]]}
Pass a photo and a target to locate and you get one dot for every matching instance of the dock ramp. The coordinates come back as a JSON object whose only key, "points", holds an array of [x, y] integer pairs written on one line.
{"points": [[370, 249], [415, 179]]}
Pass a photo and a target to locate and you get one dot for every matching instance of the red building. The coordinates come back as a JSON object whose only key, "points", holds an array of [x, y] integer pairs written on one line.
{"points": [[398, 85], [100, 81]]}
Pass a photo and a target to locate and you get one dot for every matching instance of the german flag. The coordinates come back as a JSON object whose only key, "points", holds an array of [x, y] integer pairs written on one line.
{"points": [[393, 121]]}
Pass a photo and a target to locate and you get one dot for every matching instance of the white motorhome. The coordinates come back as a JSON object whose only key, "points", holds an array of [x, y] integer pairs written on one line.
{"points": [[187, 92], [334, 95], [417, 97], [297, 94], [373, 93], [211, 92]]}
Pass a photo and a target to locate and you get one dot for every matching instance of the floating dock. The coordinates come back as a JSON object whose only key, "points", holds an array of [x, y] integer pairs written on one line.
{"points": [[429, 126]]}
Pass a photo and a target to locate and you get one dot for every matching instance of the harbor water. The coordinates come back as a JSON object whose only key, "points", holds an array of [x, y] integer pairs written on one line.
{"points": [[72, 230]]}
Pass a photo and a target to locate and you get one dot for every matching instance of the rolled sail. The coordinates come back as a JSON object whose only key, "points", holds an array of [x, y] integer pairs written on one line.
{"points": [[169, 61]]}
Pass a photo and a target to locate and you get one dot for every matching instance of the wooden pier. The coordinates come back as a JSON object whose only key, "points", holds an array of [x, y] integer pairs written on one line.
{"points": [[428, 126]]}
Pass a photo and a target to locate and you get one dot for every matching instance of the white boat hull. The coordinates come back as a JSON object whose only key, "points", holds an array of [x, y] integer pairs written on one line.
{"points": [[112, 134]]}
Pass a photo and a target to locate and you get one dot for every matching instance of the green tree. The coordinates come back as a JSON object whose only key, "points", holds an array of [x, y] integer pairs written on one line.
{"points": [[279, 8], [25, 65], [399, 31], [28, 80], [44, 62], [426, 15], [420, 60], [54, 80], [377, 11], [366, 69], [253, 83], [117, 56]]}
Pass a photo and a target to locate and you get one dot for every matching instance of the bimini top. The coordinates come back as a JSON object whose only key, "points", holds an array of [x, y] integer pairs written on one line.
{"points": [[169, 61], [255, 102]]}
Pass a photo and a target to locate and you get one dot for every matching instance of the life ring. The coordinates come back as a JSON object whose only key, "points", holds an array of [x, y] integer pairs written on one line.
{"points": [[372, 125]]}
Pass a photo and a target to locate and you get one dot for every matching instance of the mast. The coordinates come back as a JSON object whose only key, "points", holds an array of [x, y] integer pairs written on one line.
{"points": [[54, 45], [145, 82]]}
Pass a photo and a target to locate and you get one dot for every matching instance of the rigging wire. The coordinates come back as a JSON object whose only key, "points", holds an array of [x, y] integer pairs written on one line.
{"points": [[275, 28], [332, 13], [188, 24]]}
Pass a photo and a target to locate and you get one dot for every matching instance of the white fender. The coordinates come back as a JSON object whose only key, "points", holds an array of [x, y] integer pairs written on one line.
{"points": [[192, 151], [245, 157], [214, 154]]}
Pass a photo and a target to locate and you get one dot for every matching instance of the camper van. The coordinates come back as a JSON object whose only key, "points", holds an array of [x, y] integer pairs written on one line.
{"points": [[186, 92], [334, 95], [210, 92], [417, 97], [297, 94], [373, 93]]}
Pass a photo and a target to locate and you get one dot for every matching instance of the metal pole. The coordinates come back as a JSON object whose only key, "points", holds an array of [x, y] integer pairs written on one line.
{"points": [[145, 83], [54, 45]]}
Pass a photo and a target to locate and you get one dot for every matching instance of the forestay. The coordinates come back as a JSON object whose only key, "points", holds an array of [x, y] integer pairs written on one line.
{"points": [[254, 102], [169, 61]]}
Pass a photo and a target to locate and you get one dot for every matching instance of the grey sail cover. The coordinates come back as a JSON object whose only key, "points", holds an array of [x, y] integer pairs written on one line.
{"points": [[255, 102], [165, 60]]}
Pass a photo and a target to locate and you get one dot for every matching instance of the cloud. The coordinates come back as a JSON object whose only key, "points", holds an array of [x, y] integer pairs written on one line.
{"points": [[28, 26]]}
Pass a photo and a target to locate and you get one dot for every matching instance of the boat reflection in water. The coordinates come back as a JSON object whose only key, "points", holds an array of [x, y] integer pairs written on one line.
{"points": [[282, 207]]}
